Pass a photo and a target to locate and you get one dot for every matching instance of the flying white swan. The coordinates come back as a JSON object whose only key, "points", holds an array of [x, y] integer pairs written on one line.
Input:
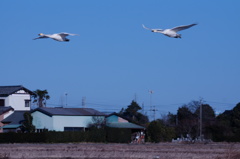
{"points": [[171, 32], [57, 37]]}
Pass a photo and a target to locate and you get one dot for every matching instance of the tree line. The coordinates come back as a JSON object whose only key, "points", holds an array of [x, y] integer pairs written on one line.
{"points": [[195, 120]]}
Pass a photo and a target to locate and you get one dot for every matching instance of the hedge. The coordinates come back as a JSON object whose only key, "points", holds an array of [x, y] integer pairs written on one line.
{"points": [[114, 135]]}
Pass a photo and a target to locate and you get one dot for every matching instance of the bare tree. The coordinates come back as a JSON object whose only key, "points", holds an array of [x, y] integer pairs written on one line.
{"points": [[98, 122]]}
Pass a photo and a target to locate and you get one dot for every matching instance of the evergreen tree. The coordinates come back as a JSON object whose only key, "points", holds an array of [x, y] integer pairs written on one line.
{"points": [[158, 132], [27, 125], [133, 115]]}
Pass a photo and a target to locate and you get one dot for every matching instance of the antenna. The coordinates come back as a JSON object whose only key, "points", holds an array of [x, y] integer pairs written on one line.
{"points": [[151, 92], [66, 98], [154, 112], [152, 109], [83, 102], [61, 101], [135, 97]]}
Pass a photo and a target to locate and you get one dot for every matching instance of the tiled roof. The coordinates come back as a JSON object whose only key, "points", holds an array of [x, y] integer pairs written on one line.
{"points": [[69, 111], [15, 118], [124, 125], [8, 90], [5, 109]]}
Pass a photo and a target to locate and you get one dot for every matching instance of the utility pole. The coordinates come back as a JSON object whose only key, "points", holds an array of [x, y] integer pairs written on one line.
{"points": [[142, 108], [200, 129]]}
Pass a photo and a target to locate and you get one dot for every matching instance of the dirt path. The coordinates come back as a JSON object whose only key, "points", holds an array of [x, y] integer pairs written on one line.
{"points": [[121, 151]]}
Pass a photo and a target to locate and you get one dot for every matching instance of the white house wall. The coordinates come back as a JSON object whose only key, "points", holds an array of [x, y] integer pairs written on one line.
{"points": [[7, 114], [17, 101], [42, 121]]}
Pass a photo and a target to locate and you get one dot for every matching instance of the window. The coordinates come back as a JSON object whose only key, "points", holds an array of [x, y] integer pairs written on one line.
{"points": [[2, 102], [73, 128], [27, 103]]}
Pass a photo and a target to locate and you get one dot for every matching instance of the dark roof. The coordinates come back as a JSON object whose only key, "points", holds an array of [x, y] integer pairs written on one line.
{"points": [[5, 109], [15, 118], [113, 113], [124, 125], [8, 90], [69, 111], [108, 113]]}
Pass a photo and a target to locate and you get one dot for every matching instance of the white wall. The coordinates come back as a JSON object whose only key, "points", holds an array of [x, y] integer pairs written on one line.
{"points": [[57, 123], [60, 122], [17, 101], [41, 121]]}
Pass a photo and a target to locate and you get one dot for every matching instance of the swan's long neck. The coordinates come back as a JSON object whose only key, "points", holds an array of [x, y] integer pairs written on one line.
{"points": [[157, 30]]}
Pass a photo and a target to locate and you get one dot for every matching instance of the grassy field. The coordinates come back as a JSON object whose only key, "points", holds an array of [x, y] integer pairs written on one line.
{"points": [[122, 151]]}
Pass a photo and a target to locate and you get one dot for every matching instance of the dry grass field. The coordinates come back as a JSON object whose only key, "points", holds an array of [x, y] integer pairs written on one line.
{"points": [[122, 151]]}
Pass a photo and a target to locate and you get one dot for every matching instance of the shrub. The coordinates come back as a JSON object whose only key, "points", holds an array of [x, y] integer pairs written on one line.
{"points": [[157, 132]]}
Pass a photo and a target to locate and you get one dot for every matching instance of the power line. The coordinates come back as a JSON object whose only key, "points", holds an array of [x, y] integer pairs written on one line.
{"points": [[118, 107]]}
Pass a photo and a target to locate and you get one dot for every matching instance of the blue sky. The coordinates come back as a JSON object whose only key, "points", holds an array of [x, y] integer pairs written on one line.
{"points": [[115, 60]]}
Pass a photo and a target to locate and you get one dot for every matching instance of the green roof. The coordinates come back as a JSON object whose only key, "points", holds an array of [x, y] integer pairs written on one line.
{"points": [[124, 125], [11, 126]]}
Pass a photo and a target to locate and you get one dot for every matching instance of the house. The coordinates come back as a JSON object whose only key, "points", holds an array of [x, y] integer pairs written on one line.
{"points": [[64, 119], [4, 113], [12, 100], [18, 97], [114, 120], [14, 121]]}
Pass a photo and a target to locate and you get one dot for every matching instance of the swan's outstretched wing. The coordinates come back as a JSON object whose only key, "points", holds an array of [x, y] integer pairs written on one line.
{"points": [[40, 37], [66, 34], [179, 28]]}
